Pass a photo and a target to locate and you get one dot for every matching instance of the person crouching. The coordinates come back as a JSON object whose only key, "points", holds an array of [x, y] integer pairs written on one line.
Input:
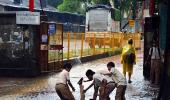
{"points": [[62, 87]]}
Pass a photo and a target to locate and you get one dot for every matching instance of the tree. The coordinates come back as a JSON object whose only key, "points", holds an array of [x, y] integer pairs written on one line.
{"points": [[104, 2], [130, 7], [79, 6], [73, 6]]}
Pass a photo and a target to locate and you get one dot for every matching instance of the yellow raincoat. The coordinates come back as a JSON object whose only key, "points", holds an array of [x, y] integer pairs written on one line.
{"points": [[127, 67]]}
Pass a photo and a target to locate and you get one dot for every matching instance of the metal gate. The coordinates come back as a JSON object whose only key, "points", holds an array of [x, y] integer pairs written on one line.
{"points": [[51, 47]]}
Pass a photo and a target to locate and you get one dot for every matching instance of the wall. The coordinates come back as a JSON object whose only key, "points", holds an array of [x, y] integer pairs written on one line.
{"points": [[164, 44]]}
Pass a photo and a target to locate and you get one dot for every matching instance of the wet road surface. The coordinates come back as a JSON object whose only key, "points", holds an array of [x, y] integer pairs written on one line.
{"points": [[42, 87]]}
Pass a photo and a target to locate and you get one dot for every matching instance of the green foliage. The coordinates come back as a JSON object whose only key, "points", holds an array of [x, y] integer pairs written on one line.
{"points": [[73, 6], [116, 51], [76, 6], [53, 55], [125, 7], [116, 15], [104, 2]]}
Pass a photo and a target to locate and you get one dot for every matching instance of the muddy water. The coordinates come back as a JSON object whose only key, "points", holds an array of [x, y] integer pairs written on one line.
{"points": [[42, 87]]}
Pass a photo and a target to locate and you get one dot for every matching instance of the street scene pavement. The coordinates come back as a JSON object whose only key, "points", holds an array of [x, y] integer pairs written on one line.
{"points": [[43, 87]]}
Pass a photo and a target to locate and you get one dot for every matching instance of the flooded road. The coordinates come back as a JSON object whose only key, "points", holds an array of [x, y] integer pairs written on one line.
{"points": [[42, 87]]}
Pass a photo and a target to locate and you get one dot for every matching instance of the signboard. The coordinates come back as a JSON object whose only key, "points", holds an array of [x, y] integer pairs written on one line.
{"points": [[52, 29], [131, 23], [26, 17]]}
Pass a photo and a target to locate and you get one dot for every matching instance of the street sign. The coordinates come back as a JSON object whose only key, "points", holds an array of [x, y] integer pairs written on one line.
{"points": [[27, 17], [131, 23]]}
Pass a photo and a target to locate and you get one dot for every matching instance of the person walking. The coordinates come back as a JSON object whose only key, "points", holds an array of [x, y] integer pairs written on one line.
{"points": [[128, 59], [63, 81]]}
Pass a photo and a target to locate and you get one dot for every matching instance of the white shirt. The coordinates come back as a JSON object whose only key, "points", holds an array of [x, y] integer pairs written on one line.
{"points": [[102, 72], [155, 53], [118, 77], [98, 77], [63, 77]]}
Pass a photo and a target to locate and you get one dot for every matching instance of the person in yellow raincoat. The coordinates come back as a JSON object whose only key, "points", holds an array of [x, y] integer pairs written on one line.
{"points": [[128, 67]]}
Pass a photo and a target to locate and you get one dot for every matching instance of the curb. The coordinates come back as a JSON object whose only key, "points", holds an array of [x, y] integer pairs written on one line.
{"points": [[76, 61]]}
